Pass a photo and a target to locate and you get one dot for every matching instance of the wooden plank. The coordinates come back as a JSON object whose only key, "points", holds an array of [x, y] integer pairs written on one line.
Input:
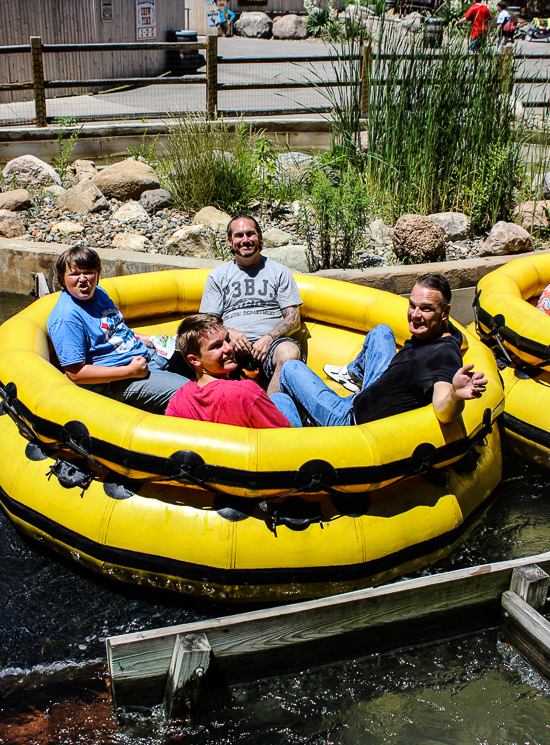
{"points": [[188, 667], [527, 630], [266, 642], [212, 76], [531, 584], [38, 81]]}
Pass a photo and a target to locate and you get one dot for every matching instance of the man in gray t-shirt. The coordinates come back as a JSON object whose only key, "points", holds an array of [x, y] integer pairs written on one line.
{"points": [[258, 300]]}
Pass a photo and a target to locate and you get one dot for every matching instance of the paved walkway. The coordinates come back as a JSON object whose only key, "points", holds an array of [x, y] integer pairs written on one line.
{"points": [[155, 101]]}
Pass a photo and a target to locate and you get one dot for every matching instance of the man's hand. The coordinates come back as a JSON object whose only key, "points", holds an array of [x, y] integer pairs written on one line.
{"points": [[240, 342], [261, 347], [468, 384]]}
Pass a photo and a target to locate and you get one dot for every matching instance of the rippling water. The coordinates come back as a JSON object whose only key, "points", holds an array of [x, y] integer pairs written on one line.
{"points": [[54, 618]]}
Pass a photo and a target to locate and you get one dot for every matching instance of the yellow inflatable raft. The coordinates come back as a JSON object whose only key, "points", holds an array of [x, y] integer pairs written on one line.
{"points": [[508, 321], [232, 513]]}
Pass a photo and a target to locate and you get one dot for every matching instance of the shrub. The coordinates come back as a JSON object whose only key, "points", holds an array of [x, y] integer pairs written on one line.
{"points": [[333, 219], [207, 164]]}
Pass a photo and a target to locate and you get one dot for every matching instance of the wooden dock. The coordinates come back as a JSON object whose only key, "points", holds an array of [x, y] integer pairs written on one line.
{"points": [[173, 664]]}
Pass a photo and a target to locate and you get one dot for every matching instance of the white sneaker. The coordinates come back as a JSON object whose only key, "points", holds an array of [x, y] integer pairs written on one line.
{"points": [[341, 375]]}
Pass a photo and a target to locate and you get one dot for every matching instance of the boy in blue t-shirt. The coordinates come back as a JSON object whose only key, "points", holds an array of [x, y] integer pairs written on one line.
{"points": [[94, 346]]}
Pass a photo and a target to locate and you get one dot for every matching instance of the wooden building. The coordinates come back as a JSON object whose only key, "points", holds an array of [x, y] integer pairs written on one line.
{"points": [[96, 21]]}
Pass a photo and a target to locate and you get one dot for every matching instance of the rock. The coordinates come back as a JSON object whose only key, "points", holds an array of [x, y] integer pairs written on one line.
{"points": [[17, 199], [84, 169], [273, 238], [412, 21], [294, 257], [290, 27], [154, 200], [380, 234], [11, 224], [66, 227], [506, 238], [191, 240], [456, 225], [531, 215], [132, 242], [82, 198], [54, 190], [131, 212], [213, 218], [294, 165], [28, 170], [541, 186], [126, 180], [254, 25], [417, 239]]}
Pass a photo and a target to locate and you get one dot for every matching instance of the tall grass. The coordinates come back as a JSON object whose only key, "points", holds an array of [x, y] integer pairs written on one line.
{"points": [[208, 164], [440, 128]]}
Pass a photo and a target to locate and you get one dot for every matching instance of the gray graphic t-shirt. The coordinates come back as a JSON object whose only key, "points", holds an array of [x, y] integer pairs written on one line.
{"points": [[250, 299]]}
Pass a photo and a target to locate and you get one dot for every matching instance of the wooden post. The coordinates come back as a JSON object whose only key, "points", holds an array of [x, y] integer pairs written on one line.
{"points": [[38, 81], [211, 76], [366, 69], [188, 667], [521, 623], [530, 582]]}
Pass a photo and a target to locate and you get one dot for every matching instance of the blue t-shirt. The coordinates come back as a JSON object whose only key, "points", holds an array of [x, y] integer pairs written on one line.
{"points": [[92, 331]]}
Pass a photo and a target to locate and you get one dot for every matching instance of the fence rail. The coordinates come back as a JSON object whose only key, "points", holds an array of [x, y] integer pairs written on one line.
{"points": [[209, 79]]}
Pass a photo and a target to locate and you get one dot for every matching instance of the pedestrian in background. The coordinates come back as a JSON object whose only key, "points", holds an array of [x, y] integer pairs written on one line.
{"points": [[478, 16]]}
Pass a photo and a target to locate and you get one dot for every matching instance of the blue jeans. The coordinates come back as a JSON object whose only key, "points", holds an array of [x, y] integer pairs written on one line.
{"points": [[287, 407], [151, 393], [322, 405]]}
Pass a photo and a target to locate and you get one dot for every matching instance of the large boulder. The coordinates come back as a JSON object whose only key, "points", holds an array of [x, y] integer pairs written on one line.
{"points": [[417, 239], [506, 238], [532, 215], [131, 212], [380, 234], [541, 185], [12, 225], [82, 198], [132, 242], [126, 180], [82, 169], [293, 165], [217, 220], [28, 170], [275, 237], [17, 199], [294, 257], [254, 25], [154, 200], [457, 226], [290, 27], [191, 240]]}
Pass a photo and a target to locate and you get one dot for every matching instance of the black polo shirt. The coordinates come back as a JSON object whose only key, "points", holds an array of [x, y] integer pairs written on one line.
{"points": [[408, 381]]}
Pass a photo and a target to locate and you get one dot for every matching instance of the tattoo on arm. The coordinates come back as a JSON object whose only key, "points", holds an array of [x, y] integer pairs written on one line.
{"points": [[289, 324]]}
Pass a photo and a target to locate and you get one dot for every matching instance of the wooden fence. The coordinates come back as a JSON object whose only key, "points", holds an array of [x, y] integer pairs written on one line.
{"points": [[39, 84]]}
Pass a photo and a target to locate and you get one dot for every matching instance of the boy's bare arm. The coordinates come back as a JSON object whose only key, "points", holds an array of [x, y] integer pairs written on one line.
{"points": [[84, 374]]}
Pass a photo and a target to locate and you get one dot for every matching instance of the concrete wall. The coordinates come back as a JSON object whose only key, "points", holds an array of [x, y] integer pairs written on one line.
{"points": [[21, 260]]}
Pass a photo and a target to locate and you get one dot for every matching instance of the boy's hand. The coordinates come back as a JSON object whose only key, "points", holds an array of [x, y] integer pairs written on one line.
{"points": [[138, 368]]}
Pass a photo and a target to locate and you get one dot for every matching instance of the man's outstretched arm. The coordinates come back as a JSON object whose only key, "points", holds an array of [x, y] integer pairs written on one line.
{"points": [[448, 398]]}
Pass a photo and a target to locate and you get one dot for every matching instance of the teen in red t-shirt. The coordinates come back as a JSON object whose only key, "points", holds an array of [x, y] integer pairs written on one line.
{"points": [[478, 16], [206, 346]]}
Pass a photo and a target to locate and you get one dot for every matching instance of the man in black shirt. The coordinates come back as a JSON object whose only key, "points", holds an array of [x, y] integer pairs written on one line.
{"points": [[427, 370]]}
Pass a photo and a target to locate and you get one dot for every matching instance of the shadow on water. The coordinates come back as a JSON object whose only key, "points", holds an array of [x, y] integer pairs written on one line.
{"points": [[54, 618]]}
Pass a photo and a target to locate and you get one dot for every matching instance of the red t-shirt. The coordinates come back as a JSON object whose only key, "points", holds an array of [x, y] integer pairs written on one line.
{"points": [[480, 15], [239, 402]]}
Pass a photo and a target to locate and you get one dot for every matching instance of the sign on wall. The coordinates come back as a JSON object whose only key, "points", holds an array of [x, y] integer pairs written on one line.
{"points": [[106, 10], [145, 19]]}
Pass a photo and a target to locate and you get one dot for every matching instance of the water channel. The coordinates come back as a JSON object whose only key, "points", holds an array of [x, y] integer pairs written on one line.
{"points": [[54, 618]]}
